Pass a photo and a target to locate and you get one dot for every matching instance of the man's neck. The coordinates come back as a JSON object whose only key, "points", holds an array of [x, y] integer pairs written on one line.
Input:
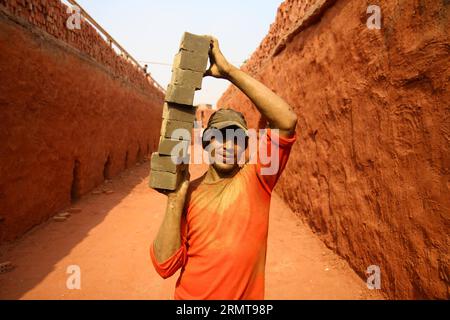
{"points": [[212, 175]]}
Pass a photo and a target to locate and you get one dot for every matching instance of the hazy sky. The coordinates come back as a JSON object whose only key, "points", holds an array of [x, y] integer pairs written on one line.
{"points": [[151, 30]]}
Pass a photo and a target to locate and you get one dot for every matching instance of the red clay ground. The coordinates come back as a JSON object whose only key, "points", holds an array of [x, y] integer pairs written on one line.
{"points": [[110, 237]]}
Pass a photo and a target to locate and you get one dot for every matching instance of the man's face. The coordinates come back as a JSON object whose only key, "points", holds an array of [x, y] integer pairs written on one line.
{"points": [[227, 150]]}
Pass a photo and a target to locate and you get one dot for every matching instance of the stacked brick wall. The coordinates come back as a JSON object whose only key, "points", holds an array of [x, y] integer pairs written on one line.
{"points": [[51, 16], [72, 114]]}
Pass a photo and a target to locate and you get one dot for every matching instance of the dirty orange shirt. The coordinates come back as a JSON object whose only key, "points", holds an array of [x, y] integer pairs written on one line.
{"points": [[224, 234]]}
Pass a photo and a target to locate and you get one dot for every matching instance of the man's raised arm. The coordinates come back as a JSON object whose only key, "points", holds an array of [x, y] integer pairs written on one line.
{"points": [[277, 111]]}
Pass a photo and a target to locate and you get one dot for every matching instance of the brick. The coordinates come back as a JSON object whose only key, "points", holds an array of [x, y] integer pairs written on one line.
{"points": [[165, 163], [195, 43], [169, 126], [173, 111], [180, 95], [166, 146], [164, 180], [187, 78], [190, 61]]}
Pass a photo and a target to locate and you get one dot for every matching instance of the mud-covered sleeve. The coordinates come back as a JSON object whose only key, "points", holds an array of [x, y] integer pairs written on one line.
{"points": [[273, 154], [167, 268]]}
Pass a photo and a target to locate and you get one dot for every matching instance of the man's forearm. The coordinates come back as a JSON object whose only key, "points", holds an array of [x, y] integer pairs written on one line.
{"points": [[277, 111], [168, 240]]}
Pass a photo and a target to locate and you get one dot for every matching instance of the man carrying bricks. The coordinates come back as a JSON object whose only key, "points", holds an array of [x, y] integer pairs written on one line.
{"points": [[215, 228]]}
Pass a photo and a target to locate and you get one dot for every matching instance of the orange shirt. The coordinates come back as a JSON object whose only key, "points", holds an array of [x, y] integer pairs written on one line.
{"points": [[224, 234]]}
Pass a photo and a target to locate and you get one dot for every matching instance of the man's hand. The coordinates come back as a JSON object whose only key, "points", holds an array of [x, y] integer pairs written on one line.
{"points": [[220, 67], [178, 197]]}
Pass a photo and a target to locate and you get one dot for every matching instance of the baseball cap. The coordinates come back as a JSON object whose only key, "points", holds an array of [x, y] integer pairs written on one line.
{"points": [[224, 118]]}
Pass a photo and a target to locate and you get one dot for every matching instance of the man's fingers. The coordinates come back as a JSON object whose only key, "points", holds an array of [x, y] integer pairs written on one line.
{"points": [[163, 191], [186, 174], [185, 182], [214, 43], [214, 40], [214, 52]]}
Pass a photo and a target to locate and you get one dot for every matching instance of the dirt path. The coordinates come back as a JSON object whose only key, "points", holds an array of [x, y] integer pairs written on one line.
{"points": [[109, 241]]}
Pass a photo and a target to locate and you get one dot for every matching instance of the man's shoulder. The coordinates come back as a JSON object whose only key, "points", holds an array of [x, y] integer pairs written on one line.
{"points": [[195, 186]]}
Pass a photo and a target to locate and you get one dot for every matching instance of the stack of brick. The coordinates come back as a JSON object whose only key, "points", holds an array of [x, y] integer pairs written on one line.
{"points": [[188, 69]]}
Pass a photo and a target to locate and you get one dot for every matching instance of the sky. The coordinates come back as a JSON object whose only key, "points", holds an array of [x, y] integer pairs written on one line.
{"points": [[151, 31]]}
